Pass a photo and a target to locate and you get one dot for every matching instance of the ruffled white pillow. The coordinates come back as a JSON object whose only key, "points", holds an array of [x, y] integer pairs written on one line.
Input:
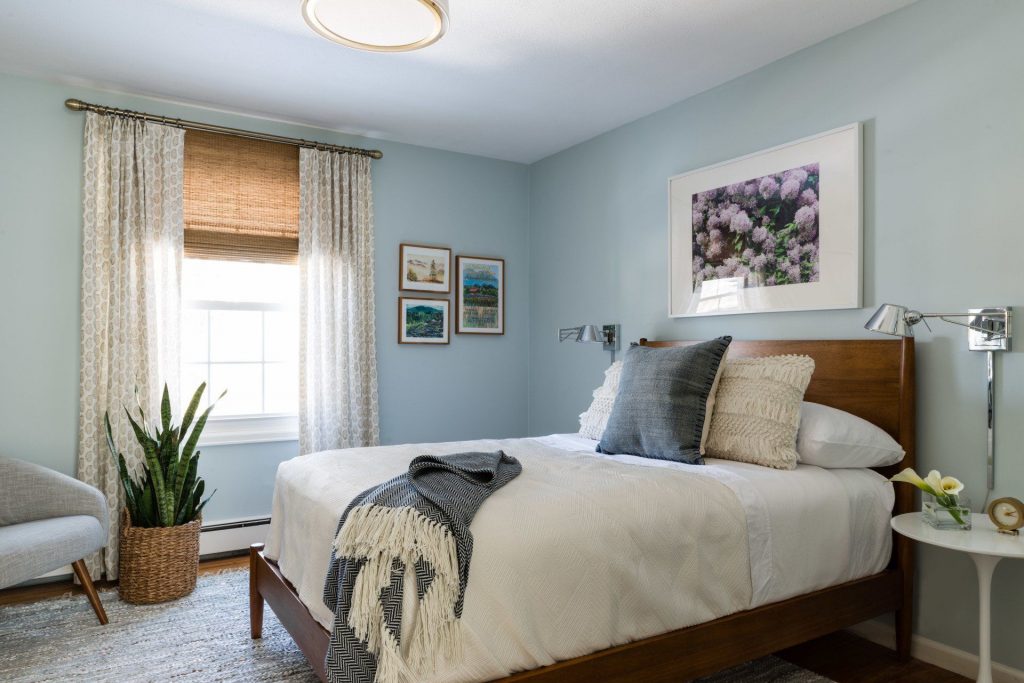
{"points": [[595, 418]]}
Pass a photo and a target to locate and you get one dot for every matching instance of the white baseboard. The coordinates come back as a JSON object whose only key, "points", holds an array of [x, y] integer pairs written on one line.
{"points": [[934, 652], [211, 542], [214, 541]]}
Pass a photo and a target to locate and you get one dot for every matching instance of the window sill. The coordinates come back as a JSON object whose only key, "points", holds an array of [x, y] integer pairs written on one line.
{"points": [[226, 431]]}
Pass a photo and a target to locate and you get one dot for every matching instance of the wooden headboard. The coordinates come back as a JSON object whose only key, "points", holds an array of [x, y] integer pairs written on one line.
{"points": [[871, 378]]}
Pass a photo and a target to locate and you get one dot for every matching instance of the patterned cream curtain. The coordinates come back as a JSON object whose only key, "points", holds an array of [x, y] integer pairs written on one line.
{"points": [[337, 356], [131, 265]]}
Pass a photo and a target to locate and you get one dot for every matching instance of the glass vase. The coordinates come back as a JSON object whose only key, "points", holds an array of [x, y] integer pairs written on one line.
{"points": [[957, 517]]}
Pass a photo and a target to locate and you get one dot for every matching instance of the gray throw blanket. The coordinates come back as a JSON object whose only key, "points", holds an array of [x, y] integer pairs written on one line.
{"points": [[419, 519]]}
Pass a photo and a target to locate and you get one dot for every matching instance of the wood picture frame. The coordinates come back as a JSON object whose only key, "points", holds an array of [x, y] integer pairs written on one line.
{"points": [[424, 268], [431, 323], [873, 379], [479, 281]]}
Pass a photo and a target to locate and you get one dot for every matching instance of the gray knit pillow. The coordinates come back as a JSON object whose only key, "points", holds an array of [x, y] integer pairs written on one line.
{"points": [[662, 402]]}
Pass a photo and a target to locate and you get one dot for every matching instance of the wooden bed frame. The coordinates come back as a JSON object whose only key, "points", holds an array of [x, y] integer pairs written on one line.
{"points": [[870, 378]]}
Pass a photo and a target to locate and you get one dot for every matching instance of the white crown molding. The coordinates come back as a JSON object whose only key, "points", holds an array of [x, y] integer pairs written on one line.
{"points": [[120, 91]]}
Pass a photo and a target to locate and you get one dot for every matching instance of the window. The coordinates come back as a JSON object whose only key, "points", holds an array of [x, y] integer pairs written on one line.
{"points": [[240, 285], [240, 333], [723, 294]]}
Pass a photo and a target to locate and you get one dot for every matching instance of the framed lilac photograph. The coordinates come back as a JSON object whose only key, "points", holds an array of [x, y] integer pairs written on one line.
{"points": [[779, 230]]}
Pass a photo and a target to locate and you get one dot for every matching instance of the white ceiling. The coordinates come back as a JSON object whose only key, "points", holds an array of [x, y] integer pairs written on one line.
{"points": [[513, 79]]}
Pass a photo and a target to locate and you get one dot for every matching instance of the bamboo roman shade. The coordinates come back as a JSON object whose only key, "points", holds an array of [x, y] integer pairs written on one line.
{"points": [[241, 199]]}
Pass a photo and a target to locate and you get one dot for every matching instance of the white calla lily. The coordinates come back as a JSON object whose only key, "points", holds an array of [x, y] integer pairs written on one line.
{"points": [[952, 486], [934, 482], [909, 476]]}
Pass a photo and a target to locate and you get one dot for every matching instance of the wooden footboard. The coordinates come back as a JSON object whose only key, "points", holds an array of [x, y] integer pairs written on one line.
{"points": [[267, 583]]}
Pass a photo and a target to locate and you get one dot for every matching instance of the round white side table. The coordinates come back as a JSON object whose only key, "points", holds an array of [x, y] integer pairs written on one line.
{"points": [[986, 547]]}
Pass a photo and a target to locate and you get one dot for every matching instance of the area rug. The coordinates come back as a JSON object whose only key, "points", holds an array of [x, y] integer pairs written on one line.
{"points": [[204, 637]]}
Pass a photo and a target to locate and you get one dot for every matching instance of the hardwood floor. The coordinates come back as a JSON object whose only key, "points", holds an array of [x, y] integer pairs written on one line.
{"points": [[846, 658], [842, 656], [43, 591]]}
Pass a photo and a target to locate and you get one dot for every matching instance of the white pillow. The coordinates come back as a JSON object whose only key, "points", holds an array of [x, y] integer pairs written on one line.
{"points": [[834, 438], [595, 418]]}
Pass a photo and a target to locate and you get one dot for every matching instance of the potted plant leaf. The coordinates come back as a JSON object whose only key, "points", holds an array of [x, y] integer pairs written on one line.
{"points": [[161, 520]]}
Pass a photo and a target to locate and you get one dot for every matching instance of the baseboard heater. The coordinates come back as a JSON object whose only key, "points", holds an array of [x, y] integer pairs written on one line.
{"points": [[223, 538], [232, 536]]}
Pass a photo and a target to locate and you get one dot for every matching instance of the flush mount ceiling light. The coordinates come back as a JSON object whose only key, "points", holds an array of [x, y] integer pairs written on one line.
{"points": [[378, 25]]}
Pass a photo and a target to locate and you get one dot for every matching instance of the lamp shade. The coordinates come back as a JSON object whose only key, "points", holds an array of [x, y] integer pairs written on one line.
{"points": [[589, 334], [891, 319]]}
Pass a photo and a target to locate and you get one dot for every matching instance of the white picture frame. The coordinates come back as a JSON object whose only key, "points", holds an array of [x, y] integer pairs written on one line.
{"points": [[819, 264]]}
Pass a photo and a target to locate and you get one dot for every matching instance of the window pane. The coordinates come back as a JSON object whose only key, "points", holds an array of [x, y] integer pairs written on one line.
{"points": [[239, 281], [192, 375], [195, 339], [236, 336], [282, 388], [244, 338], [281, 330], [244, 384]]}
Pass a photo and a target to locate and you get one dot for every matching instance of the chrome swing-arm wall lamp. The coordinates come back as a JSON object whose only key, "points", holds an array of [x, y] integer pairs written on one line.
{"points": [[606, 335], [989, 330]]}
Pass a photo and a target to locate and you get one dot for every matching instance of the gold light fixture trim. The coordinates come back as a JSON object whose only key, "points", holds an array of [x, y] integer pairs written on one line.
{"points": [[437, 8]]}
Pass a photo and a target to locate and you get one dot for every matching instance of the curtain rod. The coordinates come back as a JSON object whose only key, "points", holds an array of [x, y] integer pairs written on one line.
{"points": [[79, 105]]}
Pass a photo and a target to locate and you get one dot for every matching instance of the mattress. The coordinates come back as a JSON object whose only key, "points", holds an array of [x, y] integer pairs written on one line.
{"points": [[611, 561]]}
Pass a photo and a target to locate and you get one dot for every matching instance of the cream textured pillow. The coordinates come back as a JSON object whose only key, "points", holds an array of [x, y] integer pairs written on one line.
{"points": [[757, 410], [595, 418]]}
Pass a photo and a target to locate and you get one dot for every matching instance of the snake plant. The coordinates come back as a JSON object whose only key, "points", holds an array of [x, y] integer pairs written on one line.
{"points": [[169, 492]]}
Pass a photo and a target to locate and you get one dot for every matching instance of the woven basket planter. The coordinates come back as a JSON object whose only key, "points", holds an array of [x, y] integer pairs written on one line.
{"points": [[157, 564]]}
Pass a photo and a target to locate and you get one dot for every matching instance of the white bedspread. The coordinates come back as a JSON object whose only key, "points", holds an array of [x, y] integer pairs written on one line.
{"points": [[585, 551]]}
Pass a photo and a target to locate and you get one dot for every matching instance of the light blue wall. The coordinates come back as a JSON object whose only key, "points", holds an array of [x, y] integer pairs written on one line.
{"points": [[473, 388], [939, 89]]}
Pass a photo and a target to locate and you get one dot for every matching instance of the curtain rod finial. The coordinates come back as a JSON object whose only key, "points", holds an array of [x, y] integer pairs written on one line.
{"points": [[75, 105]]}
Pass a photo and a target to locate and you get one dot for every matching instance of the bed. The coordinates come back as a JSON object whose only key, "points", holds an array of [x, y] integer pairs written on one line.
{"points": [[608, 619]]}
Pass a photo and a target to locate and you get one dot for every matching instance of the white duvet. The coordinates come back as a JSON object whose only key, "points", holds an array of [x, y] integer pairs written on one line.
{"points": [[585, 551]]}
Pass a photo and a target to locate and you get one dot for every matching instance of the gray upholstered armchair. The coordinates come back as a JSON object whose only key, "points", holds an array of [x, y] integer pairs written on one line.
{"points": [[48, 520]]}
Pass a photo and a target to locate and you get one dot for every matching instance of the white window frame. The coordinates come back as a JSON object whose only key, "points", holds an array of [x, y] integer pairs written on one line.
{"points": [[242, 429]]}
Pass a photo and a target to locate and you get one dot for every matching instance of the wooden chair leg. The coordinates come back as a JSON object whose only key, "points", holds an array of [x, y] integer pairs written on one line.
{"points": [[255, 599], [90, 590]]}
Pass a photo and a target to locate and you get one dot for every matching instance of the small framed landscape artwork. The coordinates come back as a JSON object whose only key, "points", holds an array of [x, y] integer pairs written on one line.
{"points": [[422, 321], [424, 269], [779, 230], [479, 295]]}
